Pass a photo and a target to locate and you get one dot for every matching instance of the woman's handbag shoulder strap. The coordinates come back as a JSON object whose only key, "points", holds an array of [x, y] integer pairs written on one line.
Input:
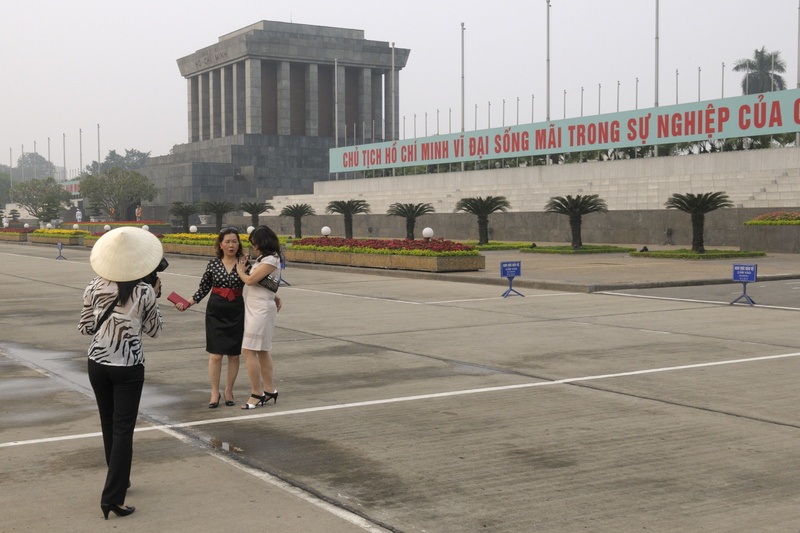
{"points": [[107, 314]]}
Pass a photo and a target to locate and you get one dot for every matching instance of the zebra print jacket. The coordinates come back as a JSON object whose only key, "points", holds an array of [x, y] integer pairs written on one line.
{"points": [[119, 340]]}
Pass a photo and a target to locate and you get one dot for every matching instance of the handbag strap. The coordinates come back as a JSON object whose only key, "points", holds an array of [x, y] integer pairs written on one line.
{"points": [[106, 314]]}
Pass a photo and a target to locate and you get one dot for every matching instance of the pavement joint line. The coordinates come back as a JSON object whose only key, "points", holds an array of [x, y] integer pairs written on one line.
{"points": [[649, 297], [369, 403]]}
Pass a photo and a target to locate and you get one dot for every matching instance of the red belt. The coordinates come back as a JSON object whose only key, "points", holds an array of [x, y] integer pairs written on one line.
{"points": [[229, 294]]}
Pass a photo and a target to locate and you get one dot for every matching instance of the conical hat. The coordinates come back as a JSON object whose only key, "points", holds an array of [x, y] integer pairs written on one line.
{"points": [[126, 254]]}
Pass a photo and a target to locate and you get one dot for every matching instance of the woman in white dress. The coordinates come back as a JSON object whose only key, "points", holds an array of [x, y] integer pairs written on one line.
{"points": [[261, 306]]}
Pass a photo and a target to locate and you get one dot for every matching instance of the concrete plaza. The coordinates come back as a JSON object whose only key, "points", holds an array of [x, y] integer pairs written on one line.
{"points": [[423, 403]]}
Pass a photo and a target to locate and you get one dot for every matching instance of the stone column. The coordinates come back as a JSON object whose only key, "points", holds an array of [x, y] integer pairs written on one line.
{"points": [[377, 104], [252, 81], [238, 96], [215, 104], [365, 105], [226, 88], [205, 115], [389, 103], [284, 99], [193, 97], [339, 113], [312, 100]]}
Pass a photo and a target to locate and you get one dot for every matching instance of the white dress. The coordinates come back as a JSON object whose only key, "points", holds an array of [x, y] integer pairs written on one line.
{"points": [[259, 311]]}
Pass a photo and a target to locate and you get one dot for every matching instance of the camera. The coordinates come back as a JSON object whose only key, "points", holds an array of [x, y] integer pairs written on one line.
{"points": [[152, 277]]}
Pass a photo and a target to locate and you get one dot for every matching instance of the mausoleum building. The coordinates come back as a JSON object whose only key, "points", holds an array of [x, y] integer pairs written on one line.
{"points": [[267, 102]]}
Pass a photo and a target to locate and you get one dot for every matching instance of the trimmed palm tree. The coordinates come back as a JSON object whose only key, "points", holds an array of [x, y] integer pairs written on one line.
{"points": [[183, 211], [348, 208], [254, 209], [697, 205], [575, 208], [482, 208], [218, 209], [411, 212], [761, 71], [297, 212]]}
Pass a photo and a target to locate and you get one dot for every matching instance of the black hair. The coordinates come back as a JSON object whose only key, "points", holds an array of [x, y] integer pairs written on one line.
{"points": [[265, 241], [221, 237], [125, 290]]}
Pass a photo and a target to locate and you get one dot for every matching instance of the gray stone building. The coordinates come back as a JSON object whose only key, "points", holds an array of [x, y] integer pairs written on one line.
{"points": [[267, 102]]}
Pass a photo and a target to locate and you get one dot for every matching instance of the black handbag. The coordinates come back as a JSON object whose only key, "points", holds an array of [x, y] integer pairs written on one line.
{"points": [[271, 282]]}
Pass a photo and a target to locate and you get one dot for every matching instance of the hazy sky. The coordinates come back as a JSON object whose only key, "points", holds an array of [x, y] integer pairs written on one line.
{"points": [[69, 66]]}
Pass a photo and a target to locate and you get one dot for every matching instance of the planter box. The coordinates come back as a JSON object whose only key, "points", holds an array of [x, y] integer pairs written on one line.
{"points": [[66, 241], [189, 249], [14, 237], [396, 262]]}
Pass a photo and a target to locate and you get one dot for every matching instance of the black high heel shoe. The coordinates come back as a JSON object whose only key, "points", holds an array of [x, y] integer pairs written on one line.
{"points": [[116, 509], [270, 396], [261, 401], [214, 405], [230, 402]]}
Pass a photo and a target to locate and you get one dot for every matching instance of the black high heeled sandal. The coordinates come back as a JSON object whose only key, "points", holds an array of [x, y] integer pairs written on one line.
{"points": [[270, 396], [261, 401]]}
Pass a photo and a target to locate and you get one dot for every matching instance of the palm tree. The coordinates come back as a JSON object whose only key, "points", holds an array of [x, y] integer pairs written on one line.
{"points": [[698, 205], [575, 208], [761, 71], [183, 211], [482, 208], [410, 212], [348, 208], [297, 212], [218, 209], [254, 209]]}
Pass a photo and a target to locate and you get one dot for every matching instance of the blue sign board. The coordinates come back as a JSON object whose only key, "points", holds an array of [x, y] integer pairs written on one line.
{"points": [[744, 273], [510, 269]]}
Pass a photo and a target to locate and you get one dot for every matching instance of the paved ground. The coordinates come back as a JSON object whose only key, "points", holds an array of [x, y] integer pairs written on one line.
{"points": [[425, 403]]}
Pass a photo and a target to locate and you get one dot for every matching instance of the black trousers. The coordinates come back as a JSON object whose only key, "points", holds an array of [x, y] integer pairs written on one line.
{"points": [[118, 390]]}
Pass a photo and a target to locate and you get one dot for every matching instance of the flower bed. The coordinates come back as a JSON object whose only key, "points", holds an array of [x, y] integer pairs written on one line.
{"points": [[69, 237], [776, 218], [15, 234], [436, 255]]}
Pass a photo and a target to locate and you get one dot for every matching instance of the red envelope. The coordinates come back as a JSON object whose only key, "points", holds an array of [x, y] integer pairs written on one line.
{"points": [[176, 298]]}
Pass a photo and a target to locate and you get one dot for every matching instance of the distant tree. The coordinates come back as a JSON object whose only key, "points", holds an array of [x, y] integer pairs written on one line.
{"points": [[760, 72], [482, 208], [254, 209], [43, 198], [118, 191], [5, 183], [697, 205], [575, 208], [132, 160], [218, 209], [348, 208], [31, 165], [297, 212], [183, 211], [13, 215], [411, 212]]}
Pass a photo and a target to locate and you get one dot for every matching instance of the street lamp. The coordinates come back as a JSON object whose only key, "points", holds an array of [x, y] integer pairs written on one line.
{"points": [[193, 229], [427, 233], [325, 231]]}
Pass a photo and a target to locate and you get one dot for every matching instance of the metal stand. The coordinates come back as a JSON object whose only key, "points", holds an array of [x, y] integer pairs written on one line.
{"points": [[284, 282], [744, 295], [511, 289], [60, 246]]}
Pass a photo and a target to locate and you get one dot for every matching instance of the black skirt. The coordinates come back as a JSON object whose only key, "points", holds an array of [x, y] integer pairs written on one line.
{"points": [[224, 325]]}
